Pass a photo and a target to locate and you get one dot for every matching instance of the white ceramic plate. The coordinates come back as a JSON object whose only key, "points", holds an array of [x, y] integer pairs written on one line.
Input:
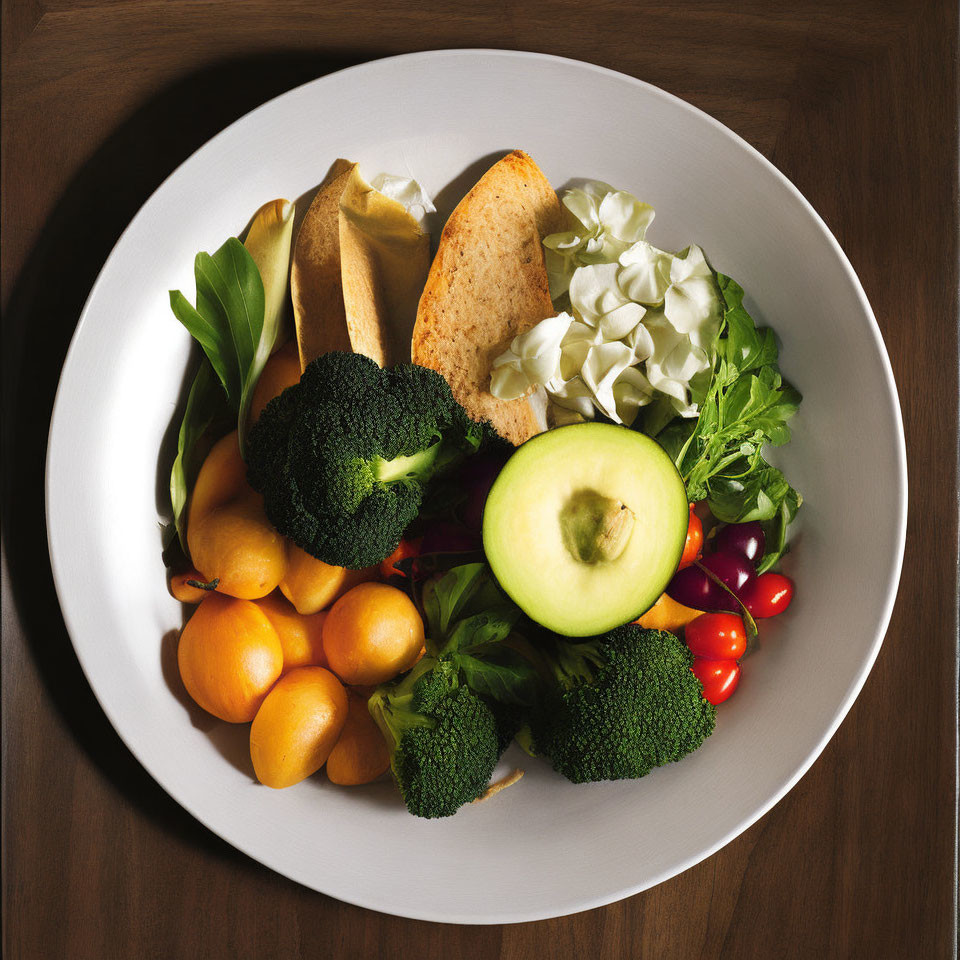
{"points": [[544, 847]]}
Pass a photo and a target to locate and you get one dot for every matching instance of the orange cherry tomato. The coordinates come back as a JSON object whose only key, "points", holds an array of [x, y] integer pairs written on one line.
{"points": [[716, 636], [694, 543]]}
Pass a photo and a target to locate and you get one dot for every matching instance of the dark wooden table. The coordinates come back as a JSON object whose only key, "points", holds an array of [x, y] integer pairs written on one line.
{"points": [[855, 101]]}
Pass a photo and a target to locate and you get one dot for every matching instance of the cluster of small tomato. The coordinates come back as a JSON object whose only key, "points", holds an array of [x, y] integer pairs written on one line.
{"points": [[718, 637]]}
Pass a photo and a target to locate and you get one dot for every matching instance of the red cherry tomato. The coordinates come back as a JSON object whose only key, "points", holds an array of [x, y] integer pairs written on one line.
{"points": [[768, 595], [716, 636], [719, 678], [691, 549]]}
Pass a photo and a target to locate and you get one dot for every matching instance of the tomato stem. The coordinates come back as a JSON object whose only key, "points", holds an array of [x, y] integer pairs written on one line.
{"points": [[749, 622], [200, 585]]}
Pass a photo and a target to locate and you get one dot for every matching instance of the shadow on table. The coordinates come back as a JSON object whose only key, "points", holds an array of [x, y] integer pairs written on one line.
{"points": [[40, 318]]}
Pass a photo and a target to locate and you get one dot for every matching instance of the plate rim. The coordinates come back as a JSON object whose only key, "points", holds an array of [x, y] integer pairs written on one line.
{"points": [[901, 480]]}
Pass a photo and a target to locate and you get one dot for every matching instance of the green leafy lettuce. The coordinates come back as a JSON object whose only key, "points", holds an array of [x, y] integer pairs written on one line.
{"points": [[747, 405]]}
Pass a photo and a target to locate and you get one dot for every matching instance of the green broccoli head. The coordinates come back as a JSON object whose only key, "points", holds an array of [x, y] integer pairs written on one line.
{"points": [[444, 739], [620, 705], [342, 457]]}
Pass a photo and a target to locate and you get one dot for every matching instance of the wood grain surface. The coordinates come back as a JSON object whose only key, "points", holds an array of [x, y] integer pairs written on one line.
{"points": [[855, 101]]}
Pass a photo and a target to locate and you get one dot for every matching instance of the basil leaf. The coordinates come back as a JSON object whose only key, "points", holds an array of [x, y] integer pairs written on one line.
{"points": [[509, 679], [443, 599], [206, 408], [482, 629]]}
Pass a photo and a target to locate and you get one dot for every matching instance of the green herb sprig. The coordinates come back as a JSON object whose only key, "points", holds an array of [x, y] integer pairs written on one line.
{"points": [[747, 405]]}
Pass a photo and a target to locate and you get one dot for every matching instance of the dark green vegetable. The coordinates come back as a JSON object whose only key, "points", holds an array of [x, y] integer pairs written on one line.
{"points": [[747, 405], [444, 740], [447, 722], [342, 458], [619, 705]]}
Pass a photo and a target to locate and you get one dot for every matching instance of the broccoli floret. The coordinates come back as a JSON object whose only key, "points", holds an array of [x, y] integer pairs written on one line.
{"points": [[620, 705], [342, 457], [444, 739]]}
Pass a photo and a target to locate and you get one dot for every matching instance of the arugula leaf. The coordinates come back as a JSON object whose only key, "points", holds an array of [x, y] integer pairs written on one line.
{"points": [[228, 322], [746, 406], [205, 413]]}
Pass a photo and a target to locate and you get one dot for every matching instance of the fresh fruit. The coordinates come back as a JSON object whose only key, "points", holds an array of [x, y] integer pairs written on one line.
{"points": [[768, 595], [300, 636], [372, 633], [716, 636], [312, 585], [719, 678], [236, 545], [222, 478], [228, 534], [694, 542], [667, 614], [229, 657], [183, 587], [360, 754], [693, 588], [746, 539], [282, 370], [585, 526], [733, 569], [297, 725]]}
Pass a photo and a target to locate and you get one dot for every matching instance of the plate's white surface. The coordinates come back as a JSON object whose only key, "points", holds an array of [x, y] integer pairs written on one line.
{"points": [[544, 847]]}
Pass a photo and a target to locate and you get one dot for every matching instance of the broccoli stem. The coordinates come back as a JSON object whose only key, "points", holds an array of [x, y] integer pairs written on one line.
{"points": [[411, 467], [390, 705], [574, 663]]}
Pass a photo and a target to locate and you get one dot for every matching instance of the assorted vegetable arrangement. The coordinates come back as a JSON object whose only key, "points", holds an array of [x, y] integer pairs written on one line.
{"points": [[381, 581]]}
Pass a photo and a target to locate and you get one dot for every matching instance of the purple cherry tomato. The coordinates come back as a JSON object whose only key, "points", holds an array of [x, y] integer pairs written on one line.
{"points": [[747, 539], [735, 570], [693, 588]]}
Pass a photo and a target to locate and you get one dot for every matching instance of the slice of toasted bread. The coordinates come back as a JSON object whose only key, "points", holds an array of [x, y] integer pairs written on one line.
{"points": [[487, 284]]}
